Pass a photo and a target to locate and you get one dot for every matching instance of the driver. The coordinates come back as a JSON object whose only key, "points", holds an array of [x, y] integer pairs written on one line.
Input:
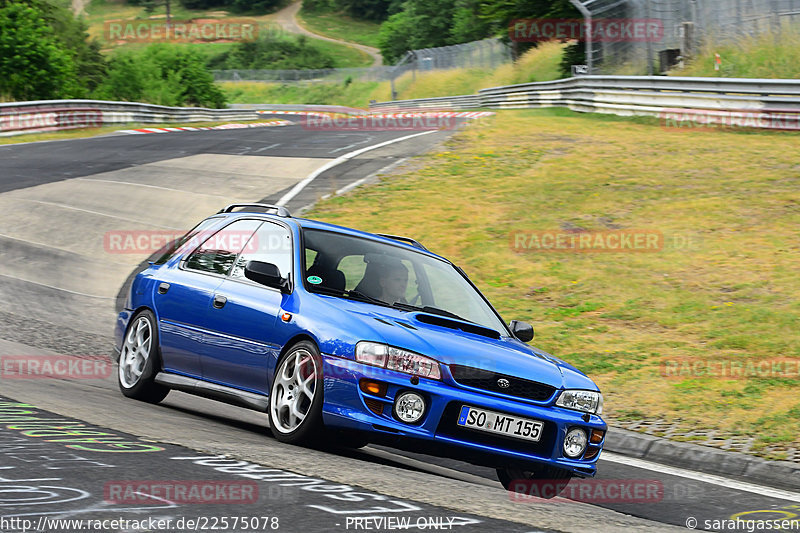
{"points": [[393, 282]]}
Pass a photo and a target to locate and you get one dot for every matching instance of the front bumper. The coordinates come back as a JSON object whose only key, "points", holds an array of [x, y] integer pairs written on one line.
{"points": [[347, 407]]}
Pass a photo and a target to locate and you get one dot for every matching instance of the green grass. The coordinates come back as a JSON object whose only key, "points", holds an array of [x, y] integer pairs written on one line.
{"points": [[341, 26], [731, 295], [772, 55], [345, 56], [537, 65], [101, 12], [355, 94]]}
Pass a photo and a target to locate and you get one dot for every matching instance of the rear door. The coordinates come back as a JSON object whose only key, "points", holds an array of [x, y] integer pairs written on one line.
{"points": [[185, 296]]}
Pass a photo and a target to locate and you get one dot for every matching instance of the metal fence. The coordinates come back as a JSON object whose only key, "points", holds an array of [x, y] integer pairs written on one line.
{"points": [[755, 103], [57, 115], [488, 54], [687, 26]]}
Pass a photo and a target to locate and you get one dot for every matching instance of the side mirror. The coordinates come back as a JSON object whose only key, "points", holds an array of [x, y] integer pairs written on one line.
{"points": [[266, 274], [522, 330]]}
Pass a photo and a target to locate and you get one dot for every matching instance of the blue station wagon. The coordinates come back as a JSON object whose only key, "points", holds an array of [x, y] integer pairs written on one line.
{"points": [[354, 338]]}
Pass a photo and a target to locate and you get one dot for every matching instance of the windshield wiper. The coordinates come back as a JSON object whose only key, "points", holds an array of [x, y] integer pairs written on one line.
{"points": [[351, 294], [357, 295], [367, 298], [430, 309]]}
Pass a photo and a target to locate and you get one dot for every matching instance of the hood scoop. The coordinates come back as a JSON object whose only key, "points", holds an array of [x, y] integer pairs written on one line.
{"points": [[394, 322], [436, 320]]}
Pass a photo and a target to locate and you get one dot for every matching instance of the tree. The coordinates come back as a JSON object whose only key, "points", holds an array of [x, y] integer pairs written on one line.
{"points": [[161, 74], [33, 63]]}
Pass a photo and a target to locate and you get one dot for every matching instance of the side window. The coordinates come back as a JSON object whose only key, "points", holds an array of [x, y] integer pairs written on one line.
{"points": [[272, 243], [217, 254]]}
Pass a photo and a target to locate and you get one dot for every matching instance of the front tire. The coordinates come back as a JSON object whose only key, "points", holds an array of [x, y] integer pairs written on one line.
{"points": [[295, 399], [139, 360], [549, 481]]}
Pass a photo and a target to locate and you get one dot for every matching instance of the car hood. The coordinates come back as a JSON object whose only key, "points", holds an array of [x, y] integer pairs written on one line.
{"points": [[505, 355]]}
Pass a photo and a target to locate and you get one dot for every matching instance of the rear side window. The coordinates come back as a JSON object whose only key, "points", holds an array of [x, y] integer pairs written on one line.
{"points": [[218, 253], [172, 248]]}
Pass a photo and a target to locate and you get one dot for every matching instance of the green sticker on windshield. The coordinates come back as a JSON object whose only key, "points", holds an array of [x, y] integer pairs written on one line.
{"points": [[314, 280]]}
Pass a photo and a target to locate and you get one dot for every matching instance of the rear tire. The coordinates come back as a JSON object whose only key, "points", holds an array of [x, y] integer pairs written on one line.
{"points": [[139, 360], [295, 399], [553, 480]]}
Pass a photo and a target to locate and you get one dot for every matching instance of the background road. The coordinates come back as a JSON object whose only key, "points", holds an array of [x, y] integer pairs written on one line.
{"points": [[59, 284]]}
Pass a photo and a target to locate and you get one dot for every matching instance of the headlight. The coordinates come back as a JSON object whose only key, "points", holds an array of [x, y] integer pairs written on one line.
{"points": [[391, 358], [581, 400]]}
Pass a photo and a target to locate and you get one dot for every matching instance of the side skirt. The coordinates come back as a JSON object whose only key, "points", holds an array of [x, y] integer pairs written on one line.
{"points": [[213, 391]]}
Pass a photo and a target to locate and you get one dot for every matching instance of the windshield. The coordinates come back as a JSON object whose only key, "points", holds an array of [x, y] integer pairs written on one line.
{"points": [[394, 276]]}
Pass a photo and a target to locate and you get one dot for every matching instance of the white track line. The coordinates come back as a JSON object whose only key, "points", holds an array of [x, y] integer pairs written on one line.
{"points": [[65, 206], [701, 476], [338, 161], [97, 296], [147, 185]]}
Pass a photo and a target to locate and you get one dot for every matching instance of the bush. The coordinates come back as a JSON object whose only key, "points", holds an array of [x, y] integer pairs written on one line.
{"points": [[161, 74], [272, 53], [574, 54]]}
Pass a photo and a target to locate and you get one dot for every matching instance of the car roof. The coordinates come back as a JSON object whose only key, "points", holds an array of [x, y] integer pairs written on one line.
{"points": [[307, 223]]}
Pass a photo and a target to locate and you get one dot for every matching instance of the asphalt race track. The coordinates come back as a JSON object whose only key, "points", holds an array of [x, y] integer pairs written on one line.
{"points": [[60, 281]]}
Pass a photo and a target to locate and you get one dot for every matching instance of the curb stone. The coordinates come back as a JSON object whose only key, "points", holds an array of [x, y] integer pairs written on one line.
{"points": [[735, 465]]}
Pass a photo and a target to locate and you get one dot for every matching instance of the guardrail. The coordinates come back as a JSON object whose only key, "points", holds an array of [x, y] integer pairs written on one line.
{"points": [[55, 115], [760, 103]]}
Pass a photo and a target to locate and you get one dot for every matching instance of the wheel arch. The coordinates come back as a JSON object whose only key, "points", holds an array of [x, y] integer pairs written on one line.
{"points": [[294, 339], [157, 326]]}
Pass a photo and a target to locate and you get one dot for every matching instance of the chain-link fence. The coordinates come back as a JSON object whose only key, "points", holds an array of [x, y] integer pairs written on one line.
{"points": [[680, 29], [488, 54]]}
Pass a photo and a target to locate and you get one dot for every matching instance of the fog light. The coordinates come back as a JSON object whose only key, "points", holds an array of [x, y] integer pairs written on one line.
{"points": [[409, 407], [575, 443]]}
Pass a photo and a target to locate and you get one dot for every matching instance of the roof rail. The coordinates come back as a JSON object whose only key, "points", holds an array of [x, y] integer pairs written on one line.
{"points": [[406, 240], [279, 210]]}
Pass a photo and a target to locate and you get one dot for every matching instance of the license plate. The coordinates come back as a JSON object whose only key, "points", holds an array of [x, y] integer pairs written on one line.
{"points": [[499, 423]]}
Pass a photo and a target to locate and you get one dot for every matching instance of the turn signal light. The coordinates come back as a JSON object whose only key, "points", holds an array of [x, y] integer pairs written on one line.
{"points": [[597, 436], [591, 453], [373, 387]]}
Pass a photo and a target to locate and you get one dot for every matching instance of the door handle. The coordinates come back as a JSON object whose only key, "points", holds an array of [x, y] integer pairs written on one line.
{"points": [[219, 301], [163, 288]]}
